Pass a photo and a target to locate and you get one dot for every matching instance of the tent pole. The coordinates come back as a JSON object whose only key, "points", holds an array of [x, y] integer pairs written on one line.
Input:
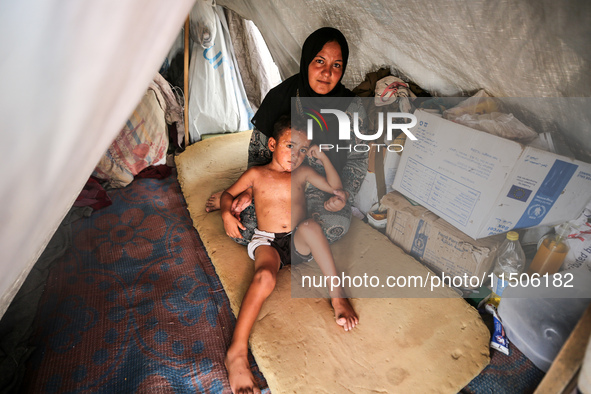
{"points": [[186, 87]]}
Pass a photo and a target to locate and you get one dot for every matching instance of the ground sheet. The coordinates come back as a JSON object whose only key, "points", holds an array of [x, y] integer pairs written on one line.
{"points": [[135, 304]]}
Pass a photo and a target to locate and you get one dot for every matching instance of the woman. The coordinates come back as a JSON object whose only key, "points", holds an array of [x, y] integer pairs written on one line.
{"points": [[318, 85]]}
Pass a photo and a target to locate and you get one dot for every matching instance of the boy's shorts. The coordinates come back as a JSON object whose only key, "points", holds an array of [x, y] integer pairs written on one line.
{"points": [[281, 242]]}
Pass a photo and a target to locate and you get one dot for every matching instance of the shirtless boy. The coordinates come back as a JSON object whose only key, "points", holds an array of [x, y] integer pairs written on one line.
{"points": [[278, 192]]}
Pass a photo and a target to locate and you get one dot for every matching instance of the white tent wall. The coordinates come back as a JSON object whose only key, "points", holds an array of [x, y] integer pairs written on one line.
{"points": [[528, 48], [509, 48], [71, 73]]}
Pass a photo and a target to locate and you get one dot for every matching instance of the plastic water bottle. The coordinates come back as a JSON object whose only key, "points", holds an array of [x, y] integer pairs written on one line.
{"points": [[510, 260]]}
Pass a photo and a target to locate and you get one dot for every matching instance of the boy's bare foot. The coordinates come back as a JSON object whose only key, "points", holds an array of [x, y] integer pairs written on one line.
{"points": [[213, 203], [344, 313], [239, 374]]}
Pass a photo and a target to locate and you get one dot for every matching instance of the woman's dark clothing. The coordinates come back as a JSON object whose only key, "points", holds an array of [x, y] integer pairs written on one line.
{"points": [[352, 166]]}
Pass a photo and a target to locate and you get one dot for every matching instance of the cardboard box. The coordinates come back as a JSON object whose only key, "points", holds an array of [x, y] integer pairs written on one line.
{"points": [[485, 185], [436, 243]]}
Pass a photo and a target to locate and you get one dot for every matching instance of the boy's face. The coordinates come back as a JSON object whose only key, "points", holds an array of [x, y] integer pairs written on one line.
{"points": [[291, 149]]}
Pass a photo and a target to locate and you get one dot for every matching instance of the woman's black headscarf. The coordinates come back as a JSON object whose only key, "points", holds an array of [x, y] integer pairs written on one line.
{"points": [[312, 46], [278, 101]]}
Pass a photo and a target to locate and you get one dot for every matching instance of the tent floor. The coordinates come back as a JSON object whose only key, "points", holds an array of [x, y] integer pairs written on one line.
{"points": [[135, 304]]}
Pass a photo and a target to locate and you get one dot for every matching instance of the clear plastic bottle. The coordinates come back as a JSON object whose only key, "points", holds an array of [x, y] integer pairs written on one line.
{"points": [[510, 260], [551, 253]]}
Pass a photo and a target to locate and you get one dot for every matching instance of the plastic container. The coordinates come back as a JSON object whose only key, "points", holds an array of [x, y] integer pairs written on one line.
{"points": [[551, 253], [510, 260], [377, 220], [539, 326], [538, 322]]}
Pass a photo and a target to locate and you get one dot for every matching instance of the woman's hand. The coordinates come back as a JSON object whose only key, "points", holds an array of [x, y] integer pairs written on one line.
{"points": [[337, 202], [241, 202]]}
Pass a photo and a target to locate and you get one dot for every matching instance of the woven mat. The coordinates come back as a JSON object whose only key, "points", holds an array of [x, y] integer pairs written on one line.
{"points": [[134, 306], [400, 344]]}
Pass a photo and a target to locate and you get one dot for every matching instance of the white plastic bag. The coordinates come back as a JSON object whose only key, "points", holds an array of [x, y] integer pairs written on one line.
{"points": [[367, 196], [579, 242], [217, 101], [499, 124], [482, 112], [203, 25], [391, 161]]}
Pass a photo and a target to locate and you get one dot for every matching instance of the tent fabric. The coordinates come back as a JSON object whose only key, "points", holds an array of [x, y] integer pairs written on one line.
{"points": [[71, 74], [257, 69], [540, 48], [528, 48]]}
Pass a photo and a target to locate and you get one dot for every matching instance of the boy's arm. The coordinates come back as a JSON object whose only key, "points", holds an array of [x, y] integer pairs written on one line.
{"points": [[332, 181], [231, 223]]}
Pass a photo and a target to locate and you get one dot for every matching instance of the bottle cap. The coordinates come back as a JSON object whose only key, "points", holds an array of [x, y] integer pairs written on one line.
{"points": [[512, 236], [563, 230]]}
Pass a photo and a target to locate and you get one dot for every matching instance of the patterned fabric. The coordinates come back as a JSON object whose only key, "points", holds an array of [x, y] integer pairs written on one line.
{"points": [[334, 224], [134, 305], [249, 220], [142, 142], [258, 150]]}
